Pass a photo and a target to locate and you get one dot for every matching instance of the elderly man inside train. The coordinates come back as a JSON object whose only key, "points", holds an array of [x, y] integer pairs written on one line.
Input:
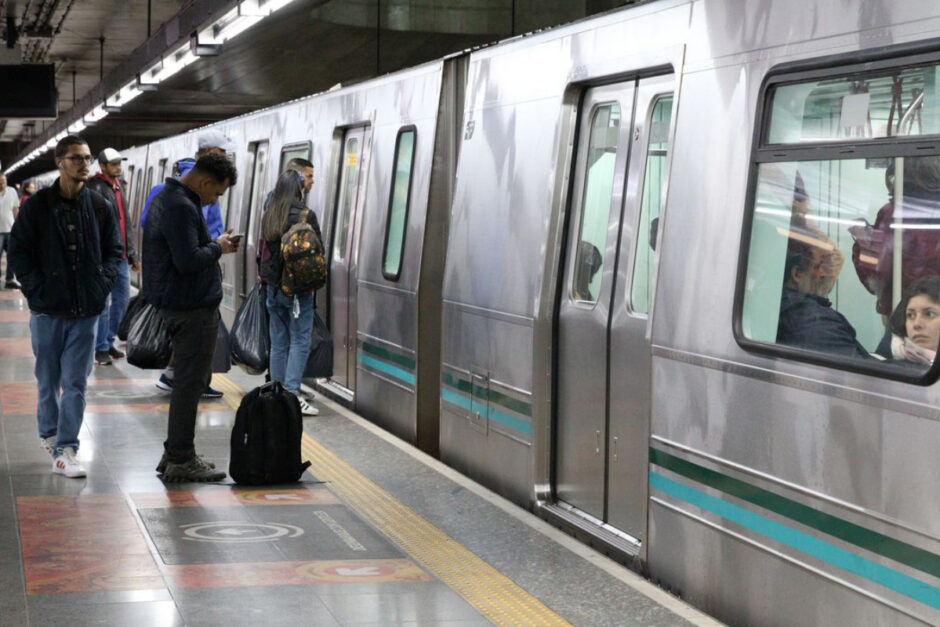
{"points": [[807, 319]]}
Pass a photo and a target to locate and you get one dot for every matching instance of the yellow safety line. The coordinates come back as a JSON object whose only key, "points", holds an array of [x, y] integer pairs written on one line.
{"points": [[493, 594]]}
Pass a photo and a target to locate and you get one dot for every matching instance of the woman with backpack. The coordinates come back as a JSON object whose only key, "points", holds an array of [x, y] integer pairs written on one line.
{"points": [[290, 299]]}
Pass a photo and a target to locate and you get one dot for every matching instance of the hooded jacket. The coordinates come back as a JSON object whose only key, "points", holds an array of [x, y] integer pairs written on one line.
{"points": [[212, 214]]}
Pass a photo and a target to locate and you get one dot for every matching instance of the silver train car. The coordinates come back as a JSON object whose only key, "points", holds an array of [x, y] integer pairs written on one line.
{"points": [[634, 273]]}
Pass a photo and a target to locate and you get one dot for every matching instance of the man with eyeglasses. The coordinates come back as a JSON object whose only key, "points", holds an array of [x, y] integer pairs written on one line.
{"points": [[65, 249]]}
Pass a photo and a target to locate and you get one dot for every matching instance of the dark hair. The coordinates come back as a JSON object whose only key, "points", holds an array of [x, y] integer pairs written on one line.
{"points": [[922, 175], [298, 163], [799, 256], [218, 167], [289, 188], [929, 286], [62, 147]]}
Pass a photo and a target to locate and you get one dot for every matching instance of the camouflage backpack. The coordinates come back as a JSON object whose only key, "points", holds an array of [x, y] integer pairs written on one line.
{"points": [[305, 268]]}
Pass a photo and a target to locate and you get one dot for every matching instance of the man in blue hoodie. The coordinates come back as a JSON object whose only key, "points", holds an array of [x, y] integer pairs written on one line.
{"points": [[211, 142]]}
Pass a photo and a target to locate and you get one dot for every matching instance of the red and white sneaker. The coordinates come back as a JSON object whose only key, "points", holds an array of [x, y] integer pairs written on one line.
{"points": [[48, 445], [67, 464]]}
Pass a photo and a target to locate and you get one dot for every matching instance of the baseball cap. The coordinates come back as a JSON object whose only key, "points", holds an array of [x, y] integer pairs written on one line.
{"points": [[110, 155], [215, 139]]}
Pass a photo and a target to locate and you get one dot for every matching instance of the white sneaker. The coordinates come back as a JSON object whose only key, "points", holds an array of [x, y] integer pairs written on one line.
{"points": [[307, 409], [66, 464], [48, 445]]}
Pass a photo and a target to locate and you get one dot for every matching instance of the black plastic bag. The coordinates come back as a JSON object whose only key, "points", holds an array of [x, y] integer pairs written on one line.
{"points": [[222, 358], [320, 360], [251, 344], [149, 338], [133, 305]]}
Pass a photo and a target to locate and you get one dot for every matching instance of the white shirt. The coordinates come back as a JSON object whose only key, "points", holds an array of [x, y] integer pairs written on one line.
{"points": [[9, 200]]}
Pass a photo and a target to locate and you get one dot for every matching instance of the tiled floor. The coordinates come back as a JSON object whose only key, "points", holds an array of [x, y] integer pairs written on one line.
{"points": [[121, 548]]}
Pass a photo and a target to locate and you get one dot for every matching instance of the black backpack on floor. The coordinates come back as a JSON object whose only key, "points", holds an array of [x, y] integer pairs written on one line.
{"points": [[266, 437]]}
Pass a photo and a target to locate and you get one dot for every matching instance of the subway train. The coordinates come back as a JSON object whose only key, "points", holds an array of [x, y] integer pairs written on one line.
{"points": [[611, 271]]}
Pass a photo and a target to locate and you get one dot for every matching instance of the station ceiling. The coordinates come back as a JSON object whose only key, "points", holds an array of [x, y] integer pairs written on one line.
{"points": [[98, 46]]}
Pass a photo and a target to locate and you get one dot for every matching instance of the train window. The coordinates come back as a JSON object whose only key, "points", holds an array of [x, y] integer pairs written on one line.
{"points": [[257, 193], [596, 199], [348, 194], [293, 151], [654, 184], [398, 202], [899, 101], [162, 174], [843, 261], [224, 205]]}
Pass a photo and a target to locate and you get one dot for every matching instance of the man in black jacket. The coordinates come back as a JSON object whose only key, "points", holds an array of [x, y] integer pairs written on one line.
{"points": [[65, 249], [109, 184], [182, 279]]}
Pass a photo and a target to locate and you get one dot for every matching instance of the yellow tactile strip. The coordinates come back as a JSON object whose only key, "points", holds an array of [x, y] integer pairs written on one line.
{"points": [[493, 594]]}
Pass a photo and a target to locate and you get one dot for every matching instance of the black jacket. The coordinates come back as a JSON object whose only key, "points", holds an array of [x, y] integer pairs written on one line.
{"points": [[809, 321], [182, 270], [103, 186], [54, 283]]}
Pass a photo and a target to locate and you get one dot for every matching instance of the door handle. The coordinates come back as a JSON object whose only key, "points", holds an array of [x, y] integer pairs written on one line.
{"points": [[615, 448], [597, 442]]}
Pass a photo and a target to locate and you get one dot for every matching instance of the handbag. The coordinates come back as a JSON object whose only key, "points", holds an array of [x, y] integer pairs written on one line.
{"points": [[320, 359], [149, 338], [251, 343]]}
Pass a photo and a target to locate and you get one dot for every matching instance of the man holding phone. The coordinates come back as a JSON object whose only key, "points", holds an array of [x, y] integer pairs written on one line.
{"points": [[182, 279]]}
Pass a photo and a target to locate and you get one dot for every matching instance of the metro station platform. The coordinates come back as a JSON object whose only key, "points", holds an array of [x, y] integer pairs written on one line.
{"points": [[376, 533]]}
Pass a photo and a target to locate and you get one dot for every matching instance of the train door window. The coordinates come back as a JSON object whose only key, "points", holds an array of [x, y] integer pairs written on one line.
{"points": [[841, 261], [654, 183], [224, 201], [150, 177], [596, 200], [293, 151], [347, 194], [399, 199], [259, 168], [162, 174]]}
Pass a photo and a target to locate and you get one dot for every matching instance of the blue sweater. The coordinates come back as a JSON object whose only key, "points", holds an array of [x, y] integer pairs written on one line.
{"points": [[211, 213]]}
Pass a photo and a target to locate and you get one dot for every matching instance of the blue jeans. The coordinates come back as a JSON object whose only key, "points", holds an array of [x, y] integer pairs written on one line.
{"points": [[110, 318], [64, 349], [290, 337]]}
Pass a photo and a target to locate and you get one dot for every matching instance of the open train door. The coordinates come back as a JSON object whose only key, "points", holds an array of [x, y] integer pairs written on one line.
{"points": [[347, 213], [604, 354]]}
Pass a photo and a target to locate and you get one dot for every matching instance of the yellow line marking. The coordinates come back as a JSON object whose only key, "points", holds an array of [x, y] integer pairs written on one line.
{"points": [[490, 592]]}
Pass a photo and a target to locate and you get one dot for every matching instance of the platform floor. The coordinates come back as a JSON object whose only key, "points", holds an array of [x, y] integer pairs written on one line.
{"points": [[376, 533]]}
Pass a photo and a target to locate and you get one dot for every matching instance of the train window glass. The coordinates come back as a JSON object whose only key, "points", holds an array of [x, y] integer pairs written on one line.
{"points": [[294, 151], [162, 174], [654, 183], [348, 194], [398, 204], [894, 102], [257, 193], [845, 258], [596, 198], [224, 205]]}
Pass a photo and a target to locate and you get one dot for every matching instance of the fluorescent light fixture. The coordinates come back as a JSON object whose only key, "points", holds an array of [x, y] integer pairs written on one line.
{"points": [[121, 97], [77, 126], [166, 67], [95, 115], [51, 143]]}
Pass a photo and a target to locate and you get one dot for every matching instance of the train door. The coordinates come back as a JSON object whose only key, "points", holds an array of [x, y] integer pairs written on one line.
{"points": [[251, 216], [603, 391], [344, 253]]}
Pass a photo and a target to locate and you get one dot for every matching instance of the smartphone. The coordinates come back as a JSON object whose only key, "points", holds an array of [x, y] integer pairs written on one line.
{"points": [[235, 237]]}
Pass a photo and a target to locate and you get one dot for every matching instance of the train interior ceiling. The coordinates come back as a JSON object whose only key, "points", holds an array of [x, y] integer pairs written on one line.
{"points": [[681, 297]]}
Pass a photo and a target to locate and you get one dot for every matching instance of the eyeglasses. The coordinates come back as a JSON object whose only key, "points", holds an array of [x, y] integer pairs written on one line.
{"points": [[77, 159]]}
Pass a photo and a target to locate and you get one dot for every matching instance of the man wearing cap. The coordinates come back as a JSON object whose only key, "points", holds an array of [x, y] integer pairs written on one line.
{"points": [[109, 184], [210, 142]]}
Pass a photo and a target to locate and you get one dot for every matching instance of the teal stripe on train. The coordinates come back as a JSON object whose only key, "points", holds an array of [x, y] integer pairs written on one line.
{"points": [[380, 359], [819, 548], [460, 392]]}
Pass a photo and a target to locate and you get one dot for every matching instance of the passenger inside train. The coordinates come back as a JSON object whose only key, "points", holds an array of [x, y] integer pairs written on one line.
{"points": [[915, 323]]}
